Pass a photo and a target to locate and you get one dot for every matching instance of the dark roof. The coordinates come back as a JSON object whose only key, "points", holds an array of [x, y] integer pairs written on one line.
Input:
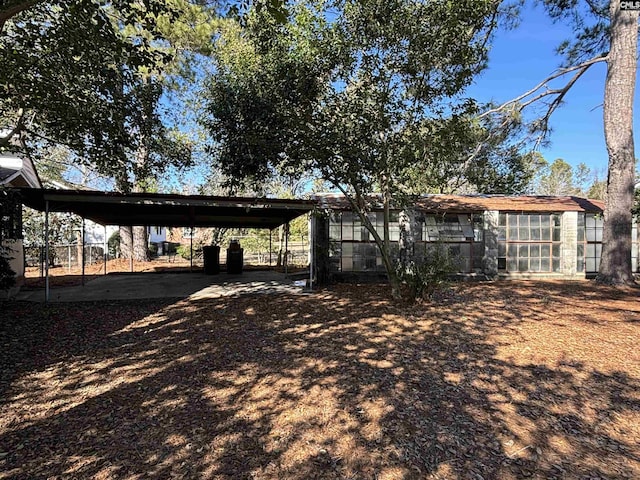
{"points": [[478, 203], [108, 208]]}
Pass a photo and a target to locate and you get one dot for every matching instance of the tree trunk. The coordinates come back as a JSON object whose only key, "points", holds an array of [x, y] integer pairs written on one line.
{"points": [[140, 244], [615, 263], [126, 242]]}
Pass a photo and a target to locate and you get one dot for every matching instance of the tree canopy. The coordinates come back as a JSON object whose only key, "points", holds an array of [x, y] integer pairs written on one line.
{"points": [[368, 94]]}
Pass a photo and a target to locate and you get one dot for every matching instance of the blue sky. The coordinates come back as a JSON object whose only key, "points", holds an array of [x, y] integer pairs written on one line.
{"points": [[520, 59]]}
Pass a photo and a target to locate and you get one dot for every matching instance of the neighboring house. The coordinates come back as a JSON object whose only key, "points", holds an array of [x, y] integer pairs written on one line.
{"points": [[94, 233], [15, 171], [489, 235]]}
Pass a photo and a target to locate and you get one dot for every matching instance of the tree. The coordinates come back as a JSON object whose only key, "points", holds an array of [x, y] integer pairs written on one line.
{"points": [[351, 92], [560, 178], [604, 33]]}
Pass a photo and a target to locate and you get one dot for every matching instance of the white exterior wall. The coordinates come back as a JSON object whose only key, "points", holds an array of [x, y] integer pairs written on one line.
{"points": [[94, 232], [569, 243]]}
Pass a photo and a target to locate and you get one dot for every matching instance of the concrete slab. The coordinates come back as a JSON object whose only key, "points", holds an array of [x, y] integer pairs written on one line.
{"points": [[169, 285]]}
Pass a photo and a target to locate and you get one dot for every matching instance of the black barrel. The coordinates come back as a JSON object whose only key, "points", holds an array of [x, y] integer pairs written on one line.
{"points": [[211, 257], [235, 258]]}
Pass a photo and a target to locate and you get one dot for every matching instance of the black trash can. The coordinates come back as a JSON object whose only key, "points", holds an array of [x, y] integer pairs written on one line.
{"points": [[211, 257], [235, 258]]}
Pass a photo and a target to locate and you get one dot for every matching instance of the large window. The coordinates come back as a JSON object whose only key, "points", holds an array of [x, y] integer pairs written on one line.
{"points": [[529, 242], [461, 234], [589, 238], [352, 247]]}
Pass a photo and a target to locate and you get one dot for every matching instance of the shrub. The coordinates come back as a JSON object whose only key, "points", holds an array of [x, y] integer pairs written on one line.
{"points": [[113, 245], [423, 279], [183, 251]]}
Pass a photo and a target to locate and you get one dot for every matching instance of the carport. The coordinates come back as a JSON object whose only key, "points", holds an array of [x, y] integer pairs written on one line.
{"points": [[170, 210]]}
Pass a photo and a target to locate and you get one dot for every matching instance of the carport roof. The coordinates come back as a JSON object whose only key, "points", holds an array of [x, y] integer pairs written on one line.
{"points": [[170, 210]]}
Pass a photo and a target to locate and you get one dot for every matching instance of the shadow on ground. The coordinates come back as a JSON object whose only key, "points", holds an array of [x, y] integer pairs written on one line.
{"points": [[341, 384]]}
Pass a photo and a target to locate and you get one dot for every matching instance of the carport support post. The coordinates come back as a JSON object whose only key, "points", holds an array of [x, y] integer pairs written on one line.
{"points": [[82, 259], [286, 248], [46, 251], [191, 251], [270, 232], [312, 221], [104, 251]]}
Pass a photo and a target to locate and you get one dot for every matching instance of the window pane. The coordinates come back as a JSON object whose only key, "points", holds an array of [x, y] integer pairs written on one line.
{"points": [[513, 233], [513, 220], [534, 251], [347, 264], [556, 264], [556, 250], [556, 234], [545, 265], [524, 233], [545, 233], [523, 251], [502, 219], [347, 226], [534, 220], [534, 264], [523, 264], [590, 264], [599, 235], [512, 251], [544, 220], [512, 265], [523, 220], [502, 249], [545, 251], [535, 234]]}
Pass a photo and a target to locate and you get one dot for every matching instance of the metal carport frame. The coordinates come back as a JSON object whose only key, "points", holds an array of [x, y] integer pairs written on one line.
{"points": [[170, 210]]}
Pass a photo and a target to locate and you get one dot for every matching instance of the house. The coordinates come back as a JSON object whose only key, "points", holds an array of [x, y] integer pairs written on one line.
{"points": [[15, 171], [488, 235], [94, 233]]}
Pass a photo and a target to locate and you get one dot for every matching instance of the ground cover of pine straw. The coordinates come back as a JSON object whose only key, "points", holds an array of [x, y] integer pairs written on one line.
{"points": [[502, 380]]}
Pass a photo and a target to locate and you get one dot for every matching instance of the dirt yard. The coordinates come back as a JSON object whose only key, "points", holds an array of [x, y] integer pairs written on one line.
{"points": [[504, 380]]}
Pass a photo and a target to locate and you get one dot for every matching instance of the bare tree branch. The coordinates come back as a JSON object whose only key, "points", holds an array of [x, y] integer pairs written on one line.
{"points": [[516, 102], [13, 9]]}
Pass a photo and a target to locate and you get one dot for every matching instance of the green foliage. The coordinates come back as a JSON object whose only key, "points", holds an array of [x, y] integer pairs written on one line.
{"points": [[185, 252], [153, 250], [99, 102], [113, 245], [560, 178], [422, 279], [356, 99]]}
